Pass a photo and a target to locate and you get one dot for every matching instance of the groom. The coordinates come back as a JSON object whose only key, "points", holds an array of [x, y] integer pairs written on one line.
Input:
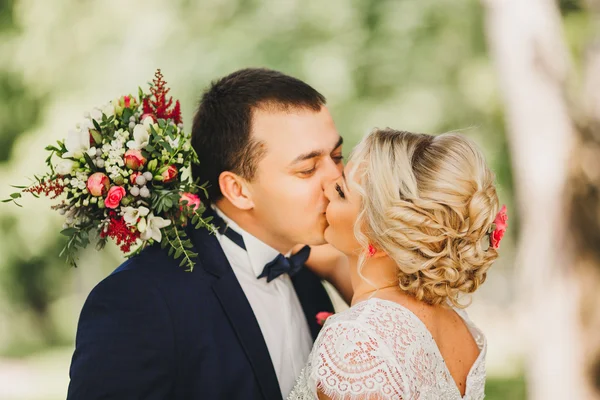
{"points": [[241, 325]]}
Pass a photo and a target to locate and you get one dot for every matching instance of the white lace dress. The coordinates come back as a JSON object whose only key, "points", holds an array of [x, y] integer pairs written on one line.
{"points": [[380, 349]]}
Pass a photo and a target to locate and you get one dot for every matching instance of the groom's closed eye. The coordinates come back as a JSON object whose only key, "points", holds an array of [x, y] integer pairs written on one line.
{"points": [[309, 171], [337, 158]]}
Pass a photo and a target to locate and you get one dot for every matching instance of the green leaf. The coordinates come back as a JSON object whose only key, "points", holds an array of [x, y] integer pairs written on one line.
{"points": [[96, 126], [90, 163], [96, 135], [127, 113], [15, 195], [68, 231]]}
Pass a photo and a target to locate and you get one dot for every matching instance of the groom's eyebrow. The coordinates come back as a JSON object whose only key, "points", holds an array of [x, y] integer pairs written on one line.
{"points": [[316, 153]]}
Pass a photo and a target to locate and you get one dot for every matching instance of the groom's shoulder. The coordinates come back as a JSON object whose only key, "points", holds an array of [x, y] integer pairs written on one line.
{"points": [[154, 266]]}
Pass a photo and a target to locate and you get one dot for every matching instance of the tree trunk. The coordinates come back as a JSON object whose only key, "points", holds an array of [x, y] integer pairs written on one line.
{"points": [[526, 44], [584, 195]]}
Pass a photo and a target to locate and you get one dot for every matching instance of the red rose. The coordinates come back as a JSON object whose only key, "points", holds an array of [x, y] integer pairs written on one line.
{"points": [[134, 159], [97, 184], [322, 317], [169, 174], [114, 196]]}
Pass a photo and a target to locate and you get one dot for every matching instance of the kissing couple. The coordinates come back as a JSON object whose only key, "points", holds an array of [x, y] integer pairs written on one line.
{"points": [[403, 231]]}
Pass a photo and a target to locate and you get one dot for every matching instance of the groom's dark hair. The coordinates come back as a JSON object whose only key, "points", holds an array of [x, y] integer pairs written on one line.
{"points": [[221, 133]]}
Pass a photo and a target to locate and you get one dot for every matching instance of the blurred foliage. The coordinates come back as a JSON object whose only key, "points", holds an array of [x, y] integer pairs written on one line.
{"points": [[567, 6], [7, 20], [19, 107], [33, 282], [19, 111], [505, 389]]}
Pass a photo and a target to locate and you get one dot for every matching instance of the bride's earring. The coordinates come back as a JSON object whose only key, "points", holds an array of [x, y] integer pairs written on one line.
{"points": [[371, 250]]}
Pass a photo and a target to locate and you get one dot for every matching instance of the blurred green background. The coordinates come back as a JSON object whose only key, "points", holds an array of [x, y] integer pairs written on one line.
{"points": [[412, 65]]}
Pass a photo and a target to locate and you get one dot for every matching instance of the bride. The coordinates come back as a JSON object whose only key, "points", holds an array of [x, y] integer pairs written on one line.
{"points": [[417, 218]]}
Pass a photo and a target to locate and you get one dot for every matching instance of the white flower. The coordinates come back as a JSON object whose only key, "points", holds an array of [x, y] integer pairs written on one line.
{"points": [[65, 167], [86, 125], [140, 138], [92, 152], [141, 226], [153, 227], [147, 122], [131, 215], [77, 142], [173, 142], [96, 114], [108, 110]]}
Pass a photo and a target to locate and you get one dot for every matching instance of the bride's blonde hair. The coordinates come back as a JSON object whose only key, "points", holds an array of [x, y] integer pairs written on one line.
{"points": [[429, 203]]}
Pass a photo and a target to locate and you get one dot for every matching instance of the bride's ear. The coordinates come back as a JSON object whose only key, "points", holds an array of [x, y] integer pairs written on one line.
{"points": [[235, 189]]}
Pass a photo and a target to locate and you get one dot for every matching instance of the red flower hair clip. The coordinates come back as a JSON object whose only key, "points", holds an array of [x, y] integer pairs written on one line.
{"points": [[498, 228]]}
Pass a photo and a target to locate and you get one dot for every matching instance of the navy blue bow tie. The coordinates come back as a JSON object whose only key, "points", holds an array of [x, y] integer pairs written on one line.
{"points": [[280, 265], [285, 265]]}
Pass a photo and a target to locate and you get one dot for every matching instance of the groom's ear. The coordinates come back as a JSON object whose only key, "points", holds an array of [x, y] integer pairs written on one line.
{"points": [[235, 189]]}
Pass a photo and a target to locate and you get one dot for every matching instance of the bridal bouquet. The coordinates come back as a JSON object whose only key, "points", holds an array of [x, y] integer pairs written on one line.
{"points": [[124, 173]]}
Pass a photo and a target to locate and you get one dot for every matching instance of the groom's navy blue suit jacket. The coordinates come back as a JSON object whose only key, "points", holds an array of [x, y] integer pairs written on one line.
{"points": [[151, 330]]}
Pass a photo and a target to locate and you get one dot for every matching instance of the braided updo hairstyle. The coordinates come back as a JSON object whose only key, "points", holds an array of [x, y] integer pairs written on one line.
{"points": [[429, 203]]}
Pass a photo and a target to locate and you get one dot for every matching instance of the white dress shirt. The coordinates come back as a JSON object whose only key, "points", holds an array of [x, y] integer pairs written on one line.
{"points": [[275, 305]]}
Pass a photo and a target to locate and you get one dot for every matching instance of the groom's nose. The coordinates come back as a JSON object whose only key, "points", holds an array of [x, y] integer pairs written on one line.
{"points": [[332, 173]]}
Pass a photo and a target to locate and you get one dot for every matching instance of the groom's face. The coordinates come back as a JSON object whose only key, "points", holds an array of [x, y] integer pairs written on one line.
{"points": [[303, 155]]}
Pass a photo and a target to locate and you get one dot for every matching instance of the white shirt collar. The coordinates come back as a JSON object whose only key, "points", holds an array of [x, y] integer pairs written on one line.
{"points": [[259, 253]]}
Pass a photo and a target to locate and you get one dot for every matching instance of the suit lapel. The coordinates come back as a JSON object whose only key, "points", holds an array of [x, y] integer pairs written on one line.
{"points": [[238, 311], [313, 298]]}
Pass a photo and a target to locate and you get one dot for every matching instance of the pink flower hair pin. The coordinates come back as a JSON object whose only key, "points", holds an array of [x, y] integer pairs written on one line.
{"points": [[498, 228], [322, 317]]}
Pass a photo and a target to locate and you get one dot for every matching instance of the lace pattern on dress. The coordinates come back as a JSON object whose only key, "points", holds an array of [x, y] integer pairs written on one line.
{"points": [[379, 349]]}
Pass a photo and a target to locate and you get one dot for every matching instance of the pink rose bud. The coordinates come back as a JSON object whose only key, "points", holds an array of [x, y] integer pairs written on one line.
{"points": [[169, 174], [97, 184], [114, 197], [134, 159], [322, 317], [127, 101], [193, 201], [133, 177]]}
